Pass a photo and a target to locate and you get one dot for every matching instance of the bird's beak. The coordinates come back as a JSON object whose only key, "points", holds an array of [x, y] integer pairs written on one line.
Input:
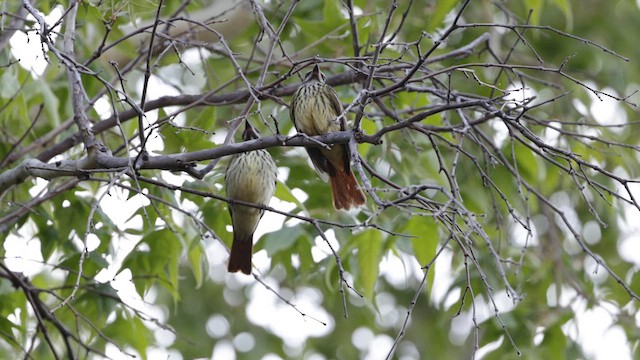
{"points": [[315, 73], [249, 132]]}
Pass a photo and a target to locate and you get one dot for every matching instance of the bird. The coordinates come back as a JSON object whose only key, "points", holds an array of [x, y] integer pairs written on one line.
{"points": [[315, 109], [250, 177]]}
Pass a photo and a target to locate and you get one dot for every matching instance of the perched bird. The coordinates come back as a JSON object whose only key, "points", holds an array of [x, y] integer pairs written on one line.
{"points": [[314, 110], [250, 177]]}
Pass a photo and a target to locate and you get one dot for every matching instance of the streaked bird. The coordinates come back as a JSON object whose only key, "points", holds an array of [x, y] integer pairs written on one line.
{"points": [[315, 108], [250, 177]]}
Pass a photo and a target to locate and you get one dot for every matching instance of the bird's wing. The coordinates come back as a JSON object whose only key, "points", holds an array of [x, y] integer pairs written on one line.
{"points": [[337, 108], [320, 163]]}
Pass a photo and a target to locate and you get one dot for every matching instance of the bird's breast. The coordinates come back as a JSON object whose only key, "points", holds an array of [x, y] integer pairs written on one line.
{"points": [[251, 177], [314, 114]]}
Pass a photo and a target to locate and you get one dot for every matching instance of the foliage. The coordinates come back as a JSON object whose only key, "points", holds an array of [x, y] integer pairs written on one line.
{"points": [[495, 145]]}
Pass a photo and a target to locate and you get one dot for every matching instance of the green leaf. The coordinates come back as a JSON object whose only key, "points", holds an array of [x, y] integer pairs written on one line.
{"points": [[425, 242], [442, 8], [331, 14], [565, 7], [67, 217], [49, 98], [216, 216], [528, 164], [10, 84], [158, 263], [282, 239], [369, 244], [92, 12], [283, 192], [536, 6], [198, 261], [132, 331], [49, 236], [554, 342], [98, 304], [368, 127], [91, 265], [6, 331], [205, 119]]}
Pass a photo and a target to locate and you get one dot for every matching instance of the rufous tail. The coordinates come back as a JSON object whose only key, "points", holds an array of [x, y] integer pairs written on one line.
{"points": [[346, 191], [240, 257]]}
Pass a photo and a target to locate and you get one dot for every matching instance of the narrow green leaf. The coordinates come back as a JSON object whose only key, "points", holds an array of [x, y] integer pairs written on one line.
{"points": [[565, 7], [50, 101], [536, 6], [369, 245], [528, 164], [425, 242], [198, 261]]}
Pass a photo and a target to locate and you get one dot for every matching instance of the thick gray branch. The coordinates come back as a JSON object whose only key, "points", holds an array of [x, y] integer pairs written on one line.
{"points": [[105, 162]]}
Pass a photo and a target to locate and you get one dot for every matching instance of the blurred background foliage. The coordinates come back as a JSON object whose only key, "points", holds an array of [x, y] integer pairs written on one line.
{"points": [[188, 307]]}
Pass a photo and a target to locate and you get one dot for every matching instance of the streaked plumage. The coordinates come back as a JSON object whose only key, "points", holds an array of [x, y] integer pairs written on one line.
{"points": [[250, 177], [314, 110]]}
